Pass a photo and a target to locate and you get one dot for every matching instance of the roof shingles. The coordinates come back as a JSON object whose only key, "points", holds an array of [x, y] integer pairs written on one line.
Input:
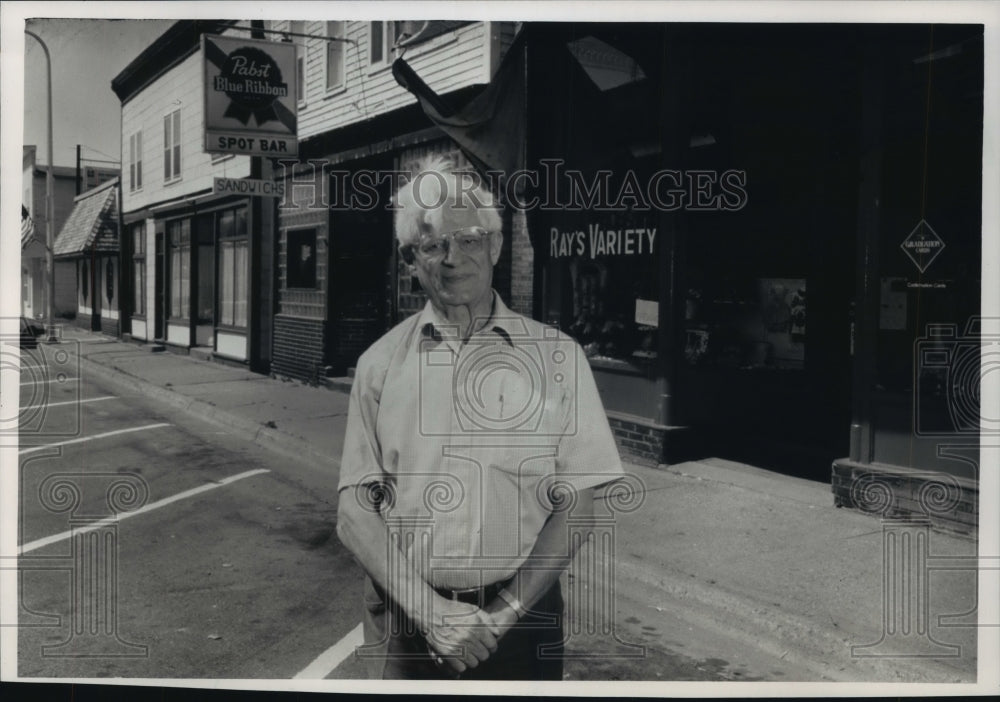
{"points": [[92, 223]]}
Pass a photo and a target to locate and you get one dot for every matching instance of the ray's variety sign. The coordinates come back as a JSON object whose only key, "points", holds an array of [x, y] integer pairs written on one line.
{"points": [[250, 96]]}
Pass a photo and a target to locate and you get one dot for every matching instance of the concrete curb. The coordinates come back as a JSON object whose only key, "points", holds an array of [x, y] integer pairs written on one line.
{"points": [[272, 439]]}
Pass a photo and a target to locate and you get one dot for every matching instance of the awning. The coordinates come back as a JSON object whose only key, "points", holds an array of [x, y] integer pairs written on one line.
{"points": [[93, 223]]}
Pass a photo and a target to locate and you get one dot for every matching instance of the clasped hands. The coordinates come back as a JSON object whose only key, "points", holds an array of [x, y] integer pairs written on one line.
{"points": [[462, 635]]}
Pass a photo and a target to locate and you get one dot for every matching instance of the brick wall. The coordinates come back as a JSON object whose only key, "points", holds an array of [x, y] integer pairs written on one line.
{"points": [[111, 327], [637, 442], [304, 207], [353, 337], [82, 320], [948, 503], [298, 348], [300, 327], [522, 266]]}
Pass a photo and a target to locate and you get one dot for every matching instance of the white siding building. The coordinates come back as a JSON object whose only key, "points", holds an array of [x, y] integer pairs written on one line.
{"points": [[340, 283], [188, 251]]}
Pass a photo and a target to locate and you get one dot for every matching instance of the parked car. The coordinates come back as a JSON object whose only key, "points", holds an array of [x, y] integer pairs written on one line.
{"points": [[30, 331]]}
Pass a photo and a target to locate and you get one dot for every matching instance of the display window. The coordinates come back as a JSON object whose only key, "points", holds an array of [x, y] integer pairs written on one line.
{"points": [[746, 323], [601, 285]]}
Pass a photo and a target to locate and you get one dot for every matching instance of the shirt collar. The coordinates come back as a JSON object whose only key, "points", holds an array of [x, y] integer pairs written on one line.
{"points": [[433, 326]]}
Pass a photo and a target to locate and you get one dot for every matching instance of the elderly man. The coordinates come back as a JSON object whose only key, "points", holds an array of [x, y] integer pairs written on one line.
{"points": [[475, 437]]}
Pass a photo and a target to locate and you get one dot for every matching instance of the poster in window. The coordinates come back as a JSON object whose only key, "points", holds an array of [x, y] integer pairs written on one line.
{"points": [[783, 318]]}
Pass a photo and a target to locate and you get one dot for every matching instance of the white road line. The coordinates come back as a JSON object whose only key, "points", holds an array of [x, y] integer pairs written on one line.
{"points": [[49, 380], [333, 656], [69, 402], [55, 538], [91, 438]]}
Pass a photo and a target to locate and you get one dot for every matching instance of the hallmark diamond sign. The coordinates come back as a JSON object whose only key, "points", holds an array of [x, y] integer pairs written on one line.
{"points": [[250, 96], [922, 245]]}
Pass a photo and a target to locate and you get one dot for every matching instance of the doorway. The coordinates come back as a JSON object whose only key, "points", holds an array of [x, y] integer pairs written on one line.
{"points": [[360, 246], [204, 293], [158, 283]]}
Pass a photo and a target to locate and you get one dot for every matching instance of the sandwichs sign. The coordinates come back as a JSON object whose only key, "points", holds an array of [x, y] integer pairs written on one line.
{"points": [[250, 96]]}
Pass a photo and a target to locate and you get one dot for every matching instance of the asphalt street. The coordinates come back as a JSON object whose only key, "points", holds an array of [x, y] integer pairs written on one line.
{"points": [[223, 560]]}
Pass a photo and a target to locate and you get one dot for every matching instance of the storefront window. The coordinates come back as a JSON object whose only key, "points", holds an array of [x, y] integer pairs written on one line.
{"points": [[601, 285], [139, 268], [234, 266], [301, 258], [179, 234], [746, 323]]}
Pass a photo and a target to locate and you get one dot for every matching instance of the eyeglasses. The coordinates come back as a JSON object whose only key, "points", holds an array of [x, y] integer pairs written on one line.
{"points": [[469, 240]]}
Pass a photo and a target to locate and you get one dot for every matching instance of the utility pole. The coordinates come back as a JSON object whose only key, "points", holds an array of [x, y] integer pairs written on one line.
{"points": [[49, 194]]}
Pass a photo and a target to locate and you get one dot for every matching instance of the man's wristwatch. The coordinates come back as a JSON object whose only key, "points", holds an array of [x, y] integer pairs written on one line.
{"points": [[513, 603]]}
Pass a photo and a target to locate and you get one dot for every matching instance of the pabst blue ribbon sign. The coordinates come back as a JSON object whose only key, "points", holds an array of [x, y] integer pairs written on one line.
{"points": [[250, 100]]}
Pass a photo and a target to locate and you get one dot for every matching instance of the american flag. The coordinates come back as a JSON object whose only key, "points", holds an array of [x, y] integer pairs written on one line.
{"points": [[27, 226]]}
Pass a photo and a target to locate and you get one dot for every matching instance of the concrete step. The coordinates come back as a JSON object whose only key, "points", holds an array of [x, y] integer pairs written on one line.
{"points": [[202, 353]]}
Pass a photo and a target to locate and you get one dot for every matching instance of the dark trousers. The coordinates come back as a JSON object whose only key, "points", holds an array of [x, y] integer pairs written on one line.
{"points": [[394, 649]]}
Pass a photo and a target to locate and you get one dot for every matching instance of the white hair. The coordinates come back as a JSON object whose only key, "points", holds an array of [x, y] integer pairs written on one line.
{"points": [[436, 183]]}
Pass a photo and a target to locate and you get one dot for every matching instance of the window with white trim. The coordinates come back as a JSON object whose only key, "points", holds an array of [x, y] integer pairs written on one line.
{"points": [[179, 241], [138, 231], [234, 267], [381, 38], [135, 162], [336, 54], [172, 146], [299, 27]]}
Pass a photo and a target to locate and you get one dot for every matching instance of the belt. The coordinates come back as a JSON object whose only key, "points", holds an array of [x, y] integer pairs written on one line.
{"points": [[478, 596]]}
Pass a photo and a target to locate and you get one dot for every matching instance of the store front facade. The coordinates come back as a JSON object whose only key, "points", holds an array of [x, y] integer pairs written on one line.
{"points": [[88, 248], [751, 230], [192, 270], [199, 256]]}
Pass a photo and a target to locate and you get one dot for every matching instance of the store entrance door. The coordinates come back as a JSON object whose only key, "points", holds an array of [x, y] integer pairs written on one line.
{"points": [[925, 391], [95, 293], [359, 284], [158, 284], [205, 283], [361, 243]]}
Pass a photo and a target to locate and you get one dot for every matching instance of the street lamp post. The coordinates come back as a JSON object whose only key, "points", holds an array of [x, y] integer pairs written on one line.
{"points": [[49, 194]]}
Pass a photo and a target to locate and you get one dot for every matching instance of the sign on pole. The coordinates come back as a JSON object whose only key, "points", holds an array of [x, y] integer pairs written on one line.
{"points": [[250, 96]]}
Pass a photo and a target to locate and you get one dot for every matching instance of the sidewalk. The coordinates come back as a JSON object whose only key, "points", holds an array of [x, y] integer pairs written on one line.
{"points": [[761, 559]]}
